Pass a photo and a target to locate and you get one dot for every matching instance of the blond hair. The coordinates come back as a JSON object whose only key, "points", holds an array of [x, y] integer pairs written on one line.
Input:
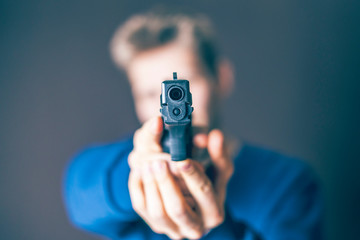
{"points": [[150, 30]]}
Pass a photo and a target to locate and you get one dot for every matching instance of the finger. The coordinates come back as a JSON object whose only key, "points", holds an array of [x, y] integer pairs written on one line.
{"points": [[156, 214], [200, 140], [219, 154], [175, 170], [202, 191], [136, 192], [199, 151], [175, 204], [221, 160], [149, 135], [137, 159]]}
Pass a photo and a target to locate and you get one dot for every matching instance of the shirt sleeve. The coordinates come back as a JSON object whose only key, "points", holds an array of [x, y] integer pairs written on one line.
{"points": [[297, 213], [96, 195], [278, 197]]}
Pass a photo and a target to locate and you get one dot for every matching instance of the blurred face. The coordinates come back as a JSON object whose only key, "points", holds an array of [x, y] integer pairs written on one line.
{"points": [[149, 68]]}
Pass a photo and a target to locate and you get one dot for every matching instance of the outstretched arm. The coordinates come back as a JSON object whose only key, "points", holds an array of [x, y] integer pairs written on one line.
{"points": [[96, 193]]}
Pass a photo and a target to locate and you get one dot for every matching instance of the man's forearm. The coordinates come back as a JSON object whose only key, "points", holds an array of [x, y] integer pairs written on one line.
{"points": [[95, 189]]}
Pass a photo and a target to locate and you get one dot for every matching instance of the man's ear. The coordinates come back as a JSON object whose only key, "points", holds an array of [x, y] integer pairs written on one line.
{"points": [[226, 77]]}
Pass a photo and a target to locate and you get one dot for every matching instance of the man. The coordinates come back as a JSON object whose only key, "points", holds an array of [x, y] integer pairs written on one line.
{"points": [[132, 190]]}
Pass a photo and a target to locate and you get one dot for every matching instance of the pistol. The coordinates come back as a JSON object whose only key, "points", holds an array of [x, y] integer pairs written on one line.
{"points": [[176, 110]]}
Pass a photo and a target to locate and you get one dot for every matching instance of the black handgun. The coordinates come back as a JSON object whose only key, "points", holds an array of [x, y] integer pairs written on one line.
{"points": [[176, 109]]}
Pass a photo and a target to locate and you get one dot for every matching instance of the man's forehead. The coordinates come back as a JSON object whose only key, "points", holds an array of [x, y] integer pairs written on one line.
{"points": [[156, 65]]}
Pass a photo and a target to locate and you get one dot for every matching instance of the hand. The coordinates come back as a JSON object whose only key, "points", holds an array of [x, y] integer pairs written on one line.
{"points": [[209, 196], [154, 192]]}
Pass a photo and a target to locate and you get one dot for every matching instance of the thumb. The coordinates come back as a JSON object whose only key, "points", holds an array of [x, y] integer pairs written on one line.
{"points": [[216, 149], [221, 160], [149, 135], [219, 155], [154, 126]]}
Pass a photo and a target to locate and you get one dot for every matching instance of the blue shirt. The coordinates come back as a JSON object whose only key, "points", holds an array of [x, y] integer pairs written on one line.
{"points": [[269, 197]]}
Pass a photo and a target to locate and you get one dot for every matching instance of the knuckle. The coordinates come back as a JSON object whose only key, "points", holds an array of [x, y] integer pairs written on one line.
{"points": [[157, 229], [190, 169], [139, 208], [131, 184], [157, 215], [206, 186], [217, 219], [137, 135], [132, 157], [194, 234], [178, 212], [230, 171], [135, 159], [174, 235]]}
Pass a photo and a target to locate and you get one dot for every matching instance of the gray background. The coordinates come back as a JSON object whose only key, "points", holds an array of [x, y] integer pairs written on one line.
{"points": [[297, 91]]}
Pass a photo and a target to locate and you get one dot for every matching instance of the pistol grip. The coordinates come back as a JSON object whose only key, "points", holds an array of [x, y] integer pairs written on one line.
{"points": [[177, 141]]}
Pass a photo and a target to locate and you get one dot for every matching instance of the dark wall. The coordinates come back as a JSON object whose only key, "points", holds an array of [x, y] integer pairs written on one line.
{"points": [[297, 91]]}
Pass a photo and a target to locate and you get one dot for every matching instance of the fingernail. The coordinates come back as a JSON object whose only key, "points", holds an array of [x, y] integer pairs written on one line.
{"points": [[187, 166]]}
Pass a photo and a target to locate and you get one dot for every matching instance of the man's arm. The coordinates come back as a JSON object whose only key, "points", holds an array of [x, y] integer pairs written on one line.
{"points": [[97, 189], [298, 213], [96, 193], [277, 196]]}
